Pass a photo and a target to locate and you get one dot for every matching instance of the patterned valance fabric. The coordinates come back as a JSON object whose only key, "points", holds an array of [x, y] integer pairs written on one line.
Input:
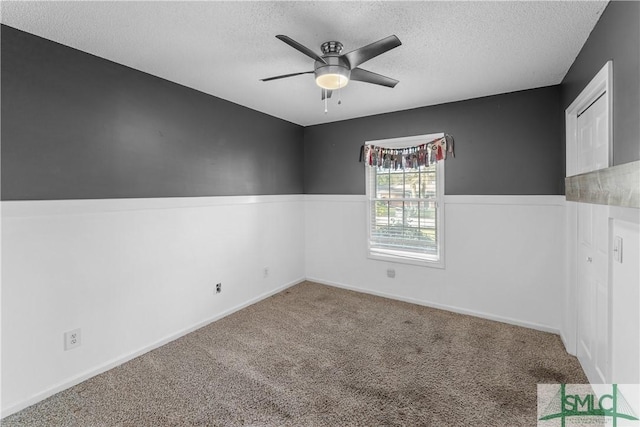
{"points": [[408, 157]]}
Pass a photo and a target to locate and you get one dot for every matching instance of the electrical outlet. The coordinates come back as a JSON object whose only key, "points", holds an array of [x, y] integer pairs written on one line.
{"points": [[391, 273], [265, 272], [218, 288], [72, 339]]}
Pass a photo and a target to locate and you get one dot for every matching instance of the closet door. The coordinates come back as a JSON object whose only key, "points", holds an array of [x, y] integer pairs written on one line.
{"points": [[593, 249]]}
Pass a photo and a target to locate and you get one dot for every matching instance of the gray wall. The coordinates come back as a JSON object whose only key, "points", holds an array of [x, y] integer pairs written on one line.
{"points": [[78, 126], [616, 37], [75, 126], [505, 144]]}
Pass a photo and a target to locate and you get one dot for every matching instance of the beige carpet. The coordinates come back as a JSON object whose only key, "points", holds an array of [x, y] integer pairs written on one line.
{"points": [[319, 356]]}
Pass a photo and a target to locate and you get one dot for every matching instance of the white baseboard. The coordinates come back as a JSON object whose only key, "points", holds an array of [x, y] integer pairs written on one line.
{"points": [[120, 360], [445, 307], [563, 338]]}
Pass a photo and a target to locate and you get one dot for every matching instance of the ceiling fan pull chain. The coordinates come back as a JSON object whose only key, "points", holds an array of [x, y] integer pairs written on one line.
{"points": [[325, 101]]}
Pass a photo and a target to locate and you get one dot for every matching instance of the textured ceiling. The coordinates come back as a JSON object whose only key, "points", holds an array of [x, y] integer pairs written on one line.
{"points": [[451, 50]]}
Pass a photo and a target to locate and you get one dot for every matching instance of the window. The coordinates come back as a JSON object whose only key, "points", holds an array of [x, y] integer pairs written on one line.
{"points": [[405, 209]]}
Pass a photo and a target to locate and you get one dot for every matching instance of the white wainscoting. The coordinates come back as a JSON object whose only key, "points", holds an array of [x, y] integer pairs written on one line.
{"points": [[505, 257], [625, 304], [624, 293], [137, 273], [133, 274]]}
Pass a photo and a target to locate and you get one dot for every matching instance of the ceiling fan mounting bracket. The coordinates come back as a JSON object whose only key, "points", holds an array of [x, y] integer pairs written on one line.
{"points": [[331, 47]]}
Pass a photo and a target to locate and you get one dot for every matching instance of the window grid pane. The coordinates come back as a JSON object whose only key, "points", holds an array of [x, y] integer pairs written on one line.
{"points": [[407, 225], [382, 185], [404, 211]]}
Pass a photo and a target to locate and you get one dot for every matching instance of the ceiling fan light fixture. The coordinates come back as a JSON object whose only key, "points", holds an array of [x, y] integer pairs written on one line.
{"points": [[332, 81], [332, 77]]}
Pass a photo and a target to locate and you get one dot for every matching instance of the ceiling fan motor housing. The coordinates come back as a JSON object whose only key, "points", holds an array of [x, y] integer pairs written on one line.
{"points": [[334, 74]]}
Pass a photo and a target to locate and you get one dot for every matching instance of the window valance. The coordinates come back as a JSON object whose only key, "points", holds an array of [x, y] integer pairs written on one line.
{"points": [[408, 157]]}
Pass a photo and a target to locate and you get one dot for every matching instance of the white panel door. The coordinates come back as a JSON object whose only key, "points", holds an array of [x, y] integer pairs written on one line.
{"points": [[593, 142], [593, 249]]}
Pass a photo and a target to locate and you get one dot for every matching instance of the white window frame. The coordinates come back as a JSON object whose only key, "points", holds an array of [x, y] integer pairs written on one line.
{"points": [[396, 256]]}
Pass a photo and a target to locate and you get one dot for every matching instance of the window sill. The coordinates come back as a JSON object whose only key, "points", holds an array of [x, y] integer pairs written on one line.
{"points": [[377, 256]]}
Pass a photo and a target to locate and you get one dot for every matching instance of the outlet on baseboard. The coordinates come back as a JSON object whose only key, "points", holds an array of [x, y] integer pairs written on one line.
{"points": [[265, 272], [218, 288], [72, 339]]}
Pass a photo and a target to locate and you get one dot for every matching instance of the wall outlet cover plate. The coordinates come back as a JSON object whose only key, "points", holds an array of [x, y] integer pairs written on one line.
{"points": [[72, 339]]}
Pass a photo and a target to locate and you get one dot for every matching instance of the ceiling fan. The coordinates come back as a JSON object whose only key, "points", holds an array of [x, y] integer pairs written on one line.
{"points": [[334, 70]]}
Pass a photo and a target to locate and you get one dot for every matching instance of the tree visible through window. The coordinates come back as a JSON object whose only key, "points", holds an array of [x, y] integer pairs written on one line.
{"points": [[404, 212]]}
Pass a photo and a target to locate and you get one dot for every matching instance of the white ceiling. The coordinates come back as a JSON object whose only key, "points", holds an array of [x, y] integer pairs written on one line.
{"points": [[450, 50]]}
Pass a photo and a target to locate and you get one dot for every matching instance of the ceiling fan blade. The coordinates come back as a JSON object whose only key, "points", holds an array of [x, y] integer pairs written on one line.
{"points": [[358, 56], [284, 76], [294, 44], [328, 92], [358, 74]]}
